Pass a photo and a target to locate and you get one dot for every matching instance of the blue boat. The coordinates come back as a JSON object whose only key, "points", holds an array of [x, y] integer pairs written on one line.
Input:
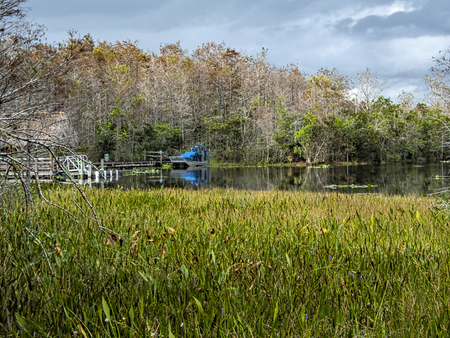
{"points": [[198, 156]]}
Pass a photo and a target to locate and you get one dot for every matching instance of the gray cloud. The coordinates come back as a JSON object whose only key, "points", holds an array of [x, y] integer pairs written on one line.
{"points": [[348, 34], [431, 18]]}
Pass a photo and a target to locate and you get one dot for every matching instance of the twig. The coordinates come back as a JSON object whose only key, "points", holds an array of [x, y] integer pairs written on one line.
{"points": [[47, 201], [43, 249]]}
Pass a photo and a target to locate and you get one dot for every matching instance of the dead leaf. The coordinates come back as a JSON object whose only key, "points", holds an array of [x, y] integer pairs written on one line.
{"points": [[135, 234], [58, 249], [170, 230], [133, 245]]}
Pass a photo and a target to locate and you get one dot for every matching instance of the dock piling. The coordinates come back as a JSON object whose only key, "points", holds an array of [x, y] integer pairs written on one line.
{"points": [[82, 169]]}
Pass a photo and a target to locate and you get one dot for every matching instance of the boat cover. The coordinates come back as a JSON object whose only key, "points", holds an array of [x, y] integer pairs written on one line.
{"points": [[191, 155]]}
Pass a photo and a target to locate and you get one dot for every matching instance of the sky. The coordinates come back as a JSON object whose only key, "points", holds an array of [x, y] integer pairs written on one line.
{"points": [[394, 39]]}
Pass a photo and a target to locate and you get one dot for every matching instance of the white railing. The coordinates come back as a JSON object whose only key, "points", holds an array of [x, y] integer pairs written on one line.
{"points": [[73, 163]]}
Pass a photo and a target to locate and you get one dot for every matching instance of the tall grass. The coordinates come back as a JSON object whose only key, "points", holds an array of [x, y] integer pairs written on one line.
{"points": [[227, 263]]}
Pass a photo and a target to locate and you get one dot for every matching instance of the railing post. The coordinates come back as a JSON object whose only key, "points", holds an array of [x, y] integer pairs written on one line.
{"points": [[102, 164], [82, 169], [50, 169], [54, 166], [89, 171]]}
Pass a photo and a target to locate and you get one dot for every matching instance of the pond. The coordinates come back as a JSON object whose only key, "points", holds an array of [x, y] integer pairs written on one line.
{"points": [[389, 179]]}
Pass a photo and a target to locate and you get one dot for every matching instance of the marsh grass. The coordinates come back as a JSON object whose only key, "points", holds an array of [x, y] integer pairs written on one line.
{"points": [[227, 263]]}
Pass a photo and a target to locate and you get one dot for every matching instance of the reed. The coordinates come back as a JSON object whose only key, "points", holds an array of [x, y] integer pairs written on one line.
{"points": [[227, 263]]}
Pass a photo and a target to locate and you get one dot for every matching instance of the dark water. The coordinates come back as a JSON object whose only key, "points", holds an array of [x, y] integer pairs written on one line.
{"points": [[389, 179]]}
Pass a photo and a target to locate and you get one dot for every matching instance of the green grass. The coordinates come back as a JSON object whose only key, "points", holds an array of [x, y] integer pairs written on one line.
{"points": [[279, 264]]}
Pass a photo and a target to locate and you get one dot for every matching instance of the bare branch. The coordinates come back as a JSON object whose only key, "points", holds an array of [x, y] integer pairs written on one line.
{"points": [[43, 249]]}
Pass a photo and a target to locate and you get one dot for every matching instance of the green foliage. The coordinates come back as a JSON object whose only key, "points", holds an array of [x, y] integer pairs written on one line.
{"points": [[311, 138], [124, 68], [284, 134], [105, 138], [160, 137], [226, 137], [138, 99], [279, 264], [116, 111]]}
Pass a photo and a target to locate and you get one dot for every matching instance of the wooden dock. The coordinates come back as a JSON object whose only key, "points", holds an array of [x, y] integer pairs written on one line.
{"points": [[44, 167], [77, 166], [125, 165]]}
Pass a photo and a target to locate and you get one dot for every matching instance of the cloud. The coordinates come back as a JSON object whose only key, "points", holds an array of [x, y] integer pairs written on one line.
{"points": [[399, 20]]}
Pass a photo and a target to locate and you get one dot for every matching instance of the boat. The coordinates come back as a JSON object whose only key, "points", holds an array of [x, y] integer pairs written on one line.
{"points": [[198, 156]]}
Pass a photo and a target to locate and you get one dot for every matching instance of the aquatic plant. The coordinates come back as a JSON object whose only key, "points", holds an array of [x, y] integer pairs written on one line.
{"points": [[352, 186], [227, 263], [321, 166]]}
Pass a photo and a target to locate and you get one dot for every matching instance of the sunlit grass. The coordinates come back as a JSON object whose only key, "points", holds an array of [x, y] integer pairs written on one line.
{"points": [[228, 263]]}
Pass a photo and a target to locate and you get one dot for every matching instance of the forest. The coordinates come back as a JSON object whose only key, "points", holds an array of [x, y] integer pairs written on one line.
{"points": [[121, 100]]}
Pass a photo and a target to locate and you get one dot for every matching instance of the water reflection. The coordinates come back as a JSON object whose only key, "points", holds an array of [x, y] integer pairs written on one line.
{"points": [[389, 179], [199, 177], [189, 178]]}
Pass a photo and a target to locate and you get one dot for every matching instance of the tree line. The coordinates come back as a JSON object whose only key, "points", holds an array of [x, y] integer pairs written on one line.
{"points": [[122, 101]]}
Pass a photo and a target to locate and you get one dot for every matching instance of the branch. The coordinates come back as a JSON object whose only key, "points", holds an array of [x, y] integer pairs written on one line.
{"points": [[43, 249]]}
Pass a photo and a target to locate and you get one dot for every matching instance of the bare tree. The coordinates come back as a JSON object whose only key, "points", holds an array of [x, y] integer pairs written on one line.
{"points": [[369, 87], [438, 84], [33, 86]]}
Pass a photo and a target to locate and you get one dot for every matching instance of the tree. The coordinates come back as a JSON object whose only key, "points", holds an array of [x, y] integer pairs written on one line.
{"points": [[438, 84], [327, 92], [369, 87], [161, 137], [32, 81], [312, 139], [284, 134]]}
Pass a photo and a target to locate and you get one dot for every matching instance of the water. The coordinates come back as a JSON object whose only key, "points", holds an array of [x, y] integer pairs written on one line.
{"points": [[389, 179]]}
